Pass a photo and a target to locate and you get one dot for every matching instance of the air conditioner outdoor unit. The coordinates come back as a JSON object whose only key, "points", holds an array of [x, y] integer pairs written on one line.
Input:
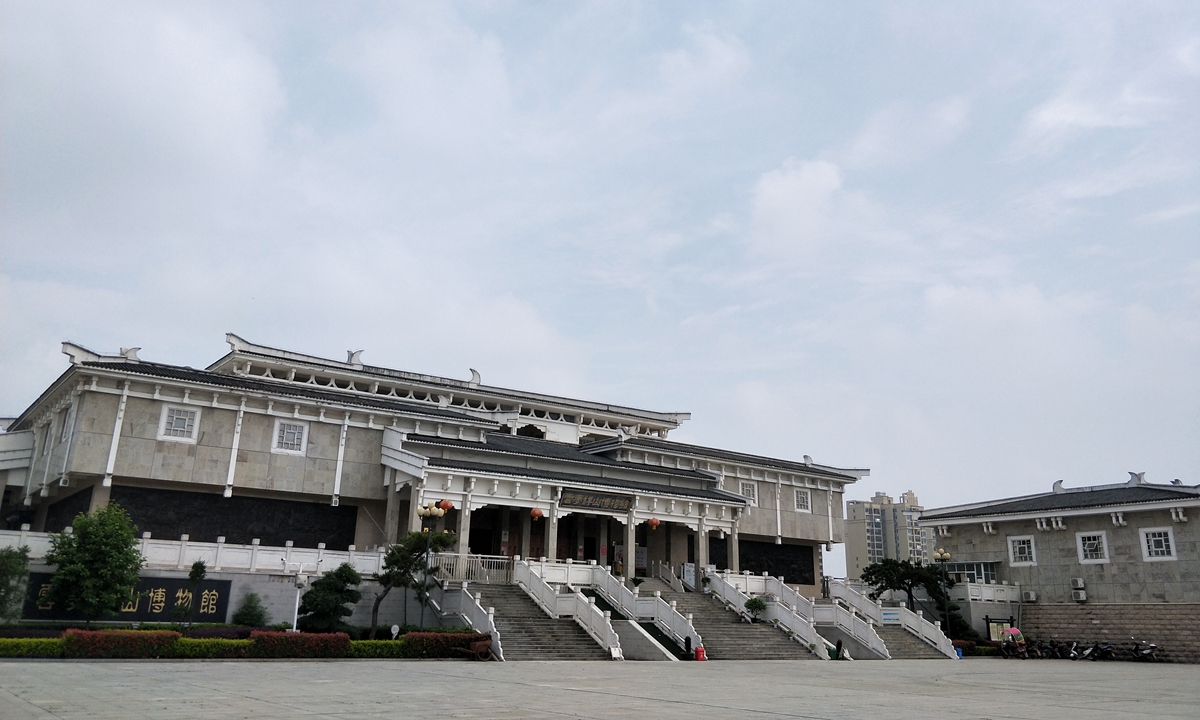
{"points": [[1076, 583], [1079, 595], [1028, 596]]}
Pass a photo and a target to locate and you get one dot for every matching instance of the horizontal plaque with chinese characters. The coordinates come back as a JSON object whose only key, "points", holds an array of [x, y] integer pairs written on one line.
{"points": [[153, 600], [587, 500]]}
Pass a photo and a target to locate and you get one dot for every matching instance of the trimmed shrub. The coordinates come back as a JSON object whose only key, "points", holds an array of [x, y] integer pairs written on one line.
{"points": [[377, 649], [438, 645], [31, 647], [251, 613], [118, 644], [299, 645], [196, 648], [224, 633]]}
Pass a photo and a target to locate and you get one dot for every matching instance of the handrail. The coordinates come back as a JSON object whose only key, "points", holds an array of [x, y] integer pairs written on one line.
{"points": [[797, 626], [481, 620], [663, 571], [860, 603], [851, 624], [575, 605], [916, 624], [630, 602], [181, 553], [493, 569]]}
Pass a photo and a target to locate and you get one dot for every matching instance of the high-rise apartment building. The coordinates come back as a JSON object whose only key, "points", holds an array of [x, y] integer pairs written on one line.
{"points": [[883, 528]]}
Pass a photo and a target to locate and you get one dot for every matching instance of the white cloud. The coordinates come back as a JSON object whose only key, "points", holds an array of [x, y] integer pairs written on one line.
{"points": [[801, 207], [901, 133]]}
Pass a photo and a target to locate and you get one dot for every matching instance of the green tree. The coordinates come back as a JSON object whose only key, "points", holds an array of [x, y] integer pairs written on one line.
{"points": [[185, 611], [251, 613], [324, 604], [98, 563], [403, 565], [904, 576], [756, 605], [14, 574]]}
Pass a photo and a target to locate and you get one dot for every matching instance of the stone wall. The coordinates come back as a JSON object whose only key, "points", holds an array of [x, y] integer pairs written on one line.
{"points": [[1175, 627], [1126, 577]]}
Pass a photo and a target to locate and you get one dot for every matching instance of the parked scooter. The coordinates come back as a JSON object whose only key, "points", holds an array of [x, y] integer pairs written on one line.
{"points": [[1143, 650], [1089, 653], [1104, 652]]}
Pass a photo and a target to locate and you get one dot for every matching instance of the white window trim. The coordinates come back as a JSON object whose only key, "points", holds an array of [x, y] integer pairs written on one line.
{"points": [[1103, 542], [1146, 551], [275, 438], [66, 426], [1032, 548], [802, 492], [741, 490], [162, 424]]}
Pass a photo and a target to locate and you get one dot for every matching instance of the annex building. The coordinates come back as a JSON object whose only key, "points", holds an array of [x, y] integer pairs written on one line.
{"points": [[278, 447]]}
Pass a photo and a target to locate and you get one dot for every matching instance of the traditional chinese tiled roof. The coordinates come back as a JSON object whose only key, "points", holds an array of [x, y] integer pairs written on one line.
{"points": [[1104, 496]]}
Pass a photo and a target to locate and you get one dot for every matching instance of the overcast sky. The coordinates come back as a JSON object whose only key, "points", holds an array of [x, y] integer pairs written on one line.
{"points": [[956, 243]]}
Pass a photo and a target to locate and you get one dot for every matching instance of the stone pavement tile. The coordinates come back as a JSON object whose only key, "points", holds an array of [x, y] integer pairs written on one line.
{"points": [[388, 689]]}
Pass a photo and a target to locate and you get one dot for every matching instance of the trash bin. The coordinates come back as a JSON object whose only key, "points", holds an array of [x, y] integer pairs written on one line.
{"points": [[959, 651], [700, 653]]}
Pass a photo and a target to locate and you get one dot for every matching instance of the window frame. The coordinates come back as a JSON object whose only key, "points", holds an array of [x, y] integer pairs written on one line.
{"points": [[742, 484], [275, 448], [1146, 556], [162, 423], [1079, 536], [1012, 561], [797, 492]]}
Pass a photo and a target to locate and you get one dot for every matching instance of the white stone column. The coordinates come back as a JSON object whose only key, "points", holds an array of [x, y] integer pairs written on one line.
{"points": [[464, 529], [630, 546], [701, 546], [732, 550], [551, 520], [391, 517], [414, 502], [526, 529], [579, 522]]}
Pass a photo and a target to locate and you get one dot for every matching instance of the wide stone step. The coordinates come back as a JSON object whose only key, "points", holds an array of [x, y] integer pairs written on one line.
{"points": [[527, 633]]}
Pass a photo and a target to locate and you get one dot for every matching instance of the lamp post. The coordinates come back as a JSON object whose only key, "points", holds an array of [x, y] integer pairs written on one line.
{"points": [[941, 557], [301, 583], [429, 511]]}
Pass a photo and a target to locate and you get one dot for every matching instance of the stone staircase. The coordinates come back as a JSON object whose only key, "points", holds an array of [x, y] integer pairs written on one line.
{"points": [[1174, 626], [725, 636], [903, 645], [528, 633]]}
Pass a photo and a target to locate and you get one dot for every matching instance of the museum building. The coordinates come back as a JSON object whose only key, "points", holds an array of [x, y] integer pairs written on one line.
{"points": [[273, 446]]}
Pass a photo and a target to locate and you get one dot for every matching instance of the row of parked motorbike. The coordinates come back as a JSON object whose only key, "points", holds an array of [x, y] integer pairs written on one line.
{"points": [[1140, 650]]}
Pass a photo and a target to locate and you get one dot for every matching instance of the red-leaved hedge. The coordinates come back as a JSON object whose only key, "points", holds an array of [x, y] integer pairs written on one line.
{"points": [[438, 645], [118, 644], [299, 645]]}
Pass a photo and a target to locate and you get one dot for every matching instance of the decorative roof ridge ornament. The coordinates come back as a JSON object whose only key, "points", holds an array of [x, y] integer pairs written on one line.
{"points": [[476, 378], [1136, 478], [354, 357], [1058, 487]]}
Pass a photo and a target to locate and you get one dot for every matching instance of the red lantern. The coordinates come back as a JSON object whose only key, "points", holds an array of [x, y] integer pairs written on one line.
{"points": [[653, 523], [536, 513], [446, 505]]}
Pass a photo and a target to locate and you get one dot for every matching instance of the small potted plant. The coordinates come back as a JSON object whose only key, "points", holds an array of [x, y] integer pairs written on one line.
{"points": [[754, 606], [704, 581]]}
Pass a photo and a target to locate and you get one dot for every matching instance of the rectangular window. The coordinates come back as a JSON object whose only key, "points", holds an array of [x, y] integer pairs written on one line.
{"points": [[750, 492], [1158, 544], [1092, 547], [291, 438], [803, 500], [1021, 551], [179, 424]]}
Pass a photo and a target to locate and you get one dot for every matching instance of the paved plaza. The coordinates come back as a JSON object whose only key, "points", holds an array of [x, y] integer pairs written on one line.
{"points": [[981, 688]]}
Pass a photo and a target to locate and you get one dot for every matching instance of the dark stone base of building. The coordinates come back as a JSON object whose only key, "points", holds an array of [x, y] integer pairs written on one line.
{"points": [[204, 517], [794, 562]]}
